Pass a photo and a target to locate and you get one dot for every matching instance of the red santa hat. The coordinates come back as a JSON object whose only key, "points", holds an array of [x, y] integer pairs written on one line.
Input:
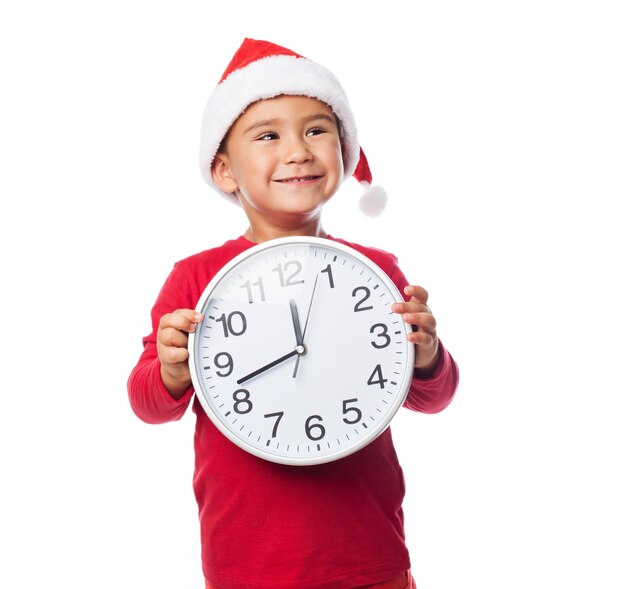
{"points": [[260, 70]]}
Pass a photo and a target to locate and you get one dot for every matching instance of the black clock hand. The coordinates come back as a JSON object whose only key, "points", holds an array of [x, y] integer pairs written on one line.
{"points": [[306, 323], [268, 366], [296, 323]]}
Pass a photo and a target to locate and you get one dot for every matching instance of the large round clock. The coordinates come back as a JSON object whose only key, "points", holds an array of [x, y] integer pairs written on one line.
{"points": [[299, 359]]}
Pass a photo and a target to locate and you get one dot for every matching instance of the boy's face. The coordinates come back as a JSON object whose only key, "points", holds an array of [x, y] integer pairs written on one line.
{"points": [[283, 159]]}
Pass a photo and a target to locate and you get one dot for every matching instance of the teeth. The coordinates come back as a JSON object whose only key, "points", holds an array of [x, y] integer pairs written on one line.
{"points": [[306, 179]]}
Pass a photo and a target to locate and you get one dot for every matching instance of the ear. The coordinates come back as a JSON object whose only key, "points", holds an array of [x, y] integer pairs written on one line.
{"points": [[222, 174]]}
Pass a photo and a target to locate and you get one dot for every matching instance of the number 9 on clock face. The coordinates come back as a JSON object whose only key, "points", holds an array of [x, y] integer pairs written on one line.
{"points": [[299, 359]]}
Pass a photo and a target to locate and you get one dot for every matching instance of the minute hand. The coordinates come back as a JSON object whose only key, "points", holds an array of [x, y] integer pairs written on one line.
{"points": [[267, 367]]}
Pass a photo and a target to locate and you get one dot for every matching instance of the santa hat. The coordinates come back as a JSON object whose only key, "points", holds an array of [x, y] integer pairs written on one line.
{"points": [[260, 70]]}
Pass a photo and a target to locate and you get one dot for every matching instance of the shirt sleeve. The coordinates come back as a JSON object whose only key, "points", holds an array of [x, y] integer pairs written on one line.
{"points": [[149, 398], [433, 394]]}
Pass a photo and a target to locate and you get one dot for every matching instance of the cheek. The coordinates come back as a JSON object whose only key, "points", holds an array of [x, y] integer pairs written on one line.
{"points": [[338, 157], [338, 164], [259, 166]]}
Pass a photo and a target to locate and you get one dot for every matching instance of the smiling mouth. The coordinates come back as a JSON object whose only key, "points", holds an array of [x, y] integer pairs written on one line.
{"points": [[298, 180]]}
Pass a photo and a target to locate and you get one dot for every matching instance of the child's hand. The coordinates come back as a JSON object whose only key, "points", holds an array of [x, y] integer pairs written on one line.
{"points": [[424, 336], [171, 344]]}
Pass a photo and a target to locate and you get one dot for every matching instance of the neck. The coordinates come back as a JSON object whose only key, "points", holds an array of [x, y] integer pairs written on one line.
{"points": [[259, 234]]}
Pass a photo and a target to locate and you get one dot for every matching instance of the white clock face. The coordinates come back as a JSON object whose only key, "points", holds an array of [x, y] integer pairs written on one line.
{"points": [[299, 359]]}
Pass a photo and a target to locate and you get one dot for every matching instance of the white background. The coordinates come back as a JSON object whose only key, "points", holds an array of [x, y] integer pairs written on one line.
{"points": [[497, 128]]}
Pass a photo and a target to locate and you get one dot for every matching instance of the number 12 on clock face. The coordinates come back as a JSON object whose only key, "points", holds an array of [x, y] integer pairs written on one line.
{"points": [[299, 359]]}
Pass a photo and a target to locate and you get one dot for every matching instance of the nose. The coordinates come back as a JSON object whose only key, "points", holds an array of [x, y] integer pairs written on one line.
{"points": [[297, 150]]}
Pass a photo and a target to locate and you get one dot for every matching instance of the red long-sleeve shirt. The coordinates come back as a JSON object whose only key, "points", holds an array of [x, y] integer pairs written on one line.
{"points": [[265, 525]]}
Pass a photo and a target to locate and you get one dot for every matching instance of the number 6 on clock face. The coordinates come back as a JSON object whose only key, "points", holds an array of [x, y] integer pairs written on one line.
{"points": [[299, 359]]}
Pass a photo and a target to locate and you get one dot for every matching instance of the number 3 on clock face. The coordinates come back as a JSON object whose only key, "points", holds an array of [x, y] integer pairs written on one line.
{"points": [[299, 359]]}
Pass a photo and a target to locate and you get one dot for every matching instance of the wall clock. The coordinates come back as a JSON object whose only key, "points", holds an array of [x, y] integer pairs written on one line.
{"points": [[299, 359]]}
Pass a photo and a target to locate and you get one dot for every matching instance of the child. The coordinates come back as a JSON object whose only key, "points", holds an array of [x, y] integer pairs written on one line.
{"points": [[278, 137]]}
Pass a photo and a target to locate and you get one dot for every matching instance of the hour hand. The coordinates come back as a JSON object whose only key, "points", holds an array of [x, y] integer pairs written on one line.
{"points": [[296, 322]]}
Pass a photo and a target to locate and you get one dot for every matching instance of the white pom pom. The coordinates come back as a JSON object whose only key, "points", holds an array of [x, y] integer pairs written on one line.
{"points": [[373, 200]]}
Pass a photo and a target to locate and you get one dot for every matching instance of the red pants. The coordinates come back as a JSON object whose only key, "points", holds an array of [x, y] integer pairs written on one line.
{"points": [[404, 581]]}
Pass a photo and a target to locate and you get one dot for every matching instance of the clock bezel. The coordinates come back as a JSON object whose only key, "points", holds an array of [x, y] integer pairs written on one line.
{"points": [[215, 417]]}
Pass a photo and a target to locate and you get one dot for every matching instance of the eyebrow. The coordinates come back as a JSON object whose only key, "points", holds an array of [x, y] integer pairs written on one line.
{"points": [[277, 121]]}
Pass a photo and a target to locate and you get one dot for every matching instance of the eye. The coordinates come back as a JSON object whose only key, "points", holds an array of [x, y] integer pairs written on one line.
{"points": [[269, 136], [315, 131]]}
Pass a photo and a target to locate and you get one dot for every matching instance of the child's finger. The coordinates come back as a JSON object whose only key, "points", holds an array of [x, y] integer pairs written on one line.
{"points": [[173, 354], [181, 319], [417, 292], [412, 306], [422, 338], [172, 337], [423, 321]]}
